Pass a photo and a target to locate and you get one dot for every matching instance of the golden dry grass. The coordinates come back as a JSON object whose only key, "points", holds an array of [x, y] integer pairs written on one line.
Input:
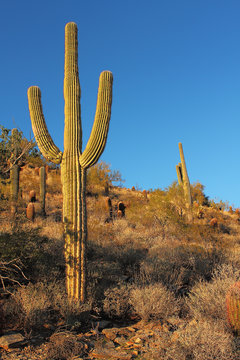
{"points": [[154, 254]]}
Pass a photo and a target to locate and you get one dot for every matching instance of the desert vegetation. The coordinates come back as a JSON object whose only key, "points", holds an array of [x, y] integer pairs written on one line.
{"points": [[157, 281]]}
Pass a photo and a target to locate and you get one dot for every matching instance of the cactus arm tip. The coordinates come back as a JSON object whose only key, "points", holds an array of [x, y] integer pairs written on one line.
{"points": [[45, 143]]}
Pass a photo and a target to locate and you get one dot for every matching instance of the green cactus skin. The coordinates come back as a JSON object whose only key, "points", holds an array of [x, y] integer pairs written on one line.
{"points": [[43, 189], [185, 179], [74, 162], [14, 176], [233, 307]]}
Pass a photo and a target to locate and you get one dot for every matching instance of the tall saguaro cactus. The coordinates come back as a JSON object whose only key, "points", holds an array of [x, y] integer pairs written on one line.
{"points": [[74, 162], [42, 174], [183, 177]]}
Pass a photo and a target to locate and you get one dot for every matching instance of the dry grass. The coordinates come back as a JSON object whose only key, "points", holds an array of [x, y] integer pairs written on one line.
{"points": [[153, 263]]}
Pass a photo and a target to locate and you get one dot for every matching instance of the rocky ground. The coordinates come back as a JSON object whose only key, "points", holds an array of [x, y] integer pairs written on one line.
{"points": [[102, 342]]}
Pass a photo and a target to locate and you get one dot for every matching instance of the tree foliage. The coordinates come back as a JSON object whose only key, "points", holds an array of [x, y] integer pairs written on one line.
{"points": [[101, 175], [16, 149]]}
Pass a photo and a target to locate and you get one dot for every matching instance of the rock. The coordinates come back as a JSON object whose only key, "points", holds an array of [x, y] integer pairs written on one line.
{"points": [[138, 340], [110, 333], [12, 340], [120, 340], [107, 354]]}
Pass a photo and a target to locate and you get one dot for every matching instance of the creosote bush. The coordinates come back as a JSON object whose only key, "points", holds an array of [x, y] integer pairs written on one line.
{"points": [[154, 302]]}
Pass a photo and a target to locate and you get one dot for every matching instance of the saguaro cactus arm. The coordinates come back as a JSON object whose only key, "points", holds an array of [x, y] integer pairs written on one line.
{"points": [[179, 174], [45, 143], [98, 137]]}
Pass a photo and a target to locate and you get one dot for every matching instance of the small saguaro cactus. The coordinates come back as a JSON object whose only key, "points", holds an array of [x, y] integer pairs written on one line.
{"points": [[32, 196], [183, 177], [109, 209], [74, 162], [233, 307], [30, 211], [14, 177], [42, 189]]}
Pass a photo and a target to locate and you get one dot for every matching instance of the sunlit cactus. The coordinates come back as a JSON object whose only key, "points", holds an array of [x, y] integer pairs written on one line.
{"points": [[30, 211], [179, 174], [74, 162], [183, 177], [233, 307]]}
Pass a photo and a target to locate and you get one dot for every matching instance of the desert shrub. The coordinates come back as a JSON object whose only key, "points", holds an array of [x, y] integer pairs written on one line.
{"points": [[30, 305], [202, 341], [116, 302], [178, 268], [207, 300], [73, 313], [64, 346], [34, 304], [41, 256], [101, 176], [164, 207], [197, 193], [154, 302]]}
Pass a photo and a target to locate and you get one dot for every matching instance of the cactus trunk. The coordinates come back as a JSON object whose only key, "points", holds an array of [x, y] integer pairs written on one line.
{"points": [[43, 189], [14, 176], [74, 163], [184, 176]]}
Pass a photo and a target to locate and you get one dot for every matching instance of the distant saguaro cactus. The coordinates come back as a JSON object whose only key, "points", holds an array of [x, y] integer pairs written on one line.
{"points": [[233, 306], [183, 177], [74, 162], [43, 190], [109, 208], [14, 177]]}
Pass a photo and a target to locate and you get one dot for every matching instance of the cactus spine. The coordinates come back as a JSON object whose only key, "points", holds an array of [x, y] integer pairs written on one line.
{"points": [[183, 177], [42, 189], [14, 176], [233, 307], [74, 162]]}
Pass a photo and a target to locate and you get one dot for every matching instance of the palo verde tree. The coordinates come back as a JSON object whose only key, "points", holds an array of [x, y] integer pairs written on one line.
{"points": [[74, 162]]}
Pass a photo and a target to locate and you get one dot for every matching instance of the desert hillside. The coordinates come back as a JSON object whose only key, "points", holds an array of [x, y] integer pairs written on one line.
{"points": [[158, 274]]}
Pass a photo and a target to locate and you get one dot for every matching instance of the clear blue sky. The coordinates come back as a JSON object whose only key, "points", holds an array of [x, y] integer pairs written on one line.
{"points": [[176, 68]]}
